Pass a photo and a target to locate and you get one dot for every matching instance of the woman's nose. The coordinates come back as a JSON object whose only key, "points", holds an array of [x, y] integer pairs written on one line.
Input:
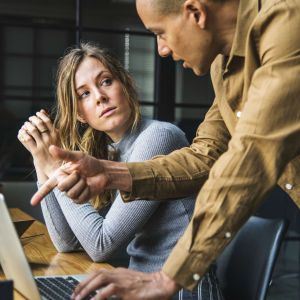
{"points": [[100, 97]]}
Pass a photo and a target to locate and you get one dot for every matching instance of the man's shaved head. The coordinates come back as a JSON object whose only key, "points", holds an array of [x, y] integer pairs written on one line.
{"points": [[165, 7], [168, 7]]}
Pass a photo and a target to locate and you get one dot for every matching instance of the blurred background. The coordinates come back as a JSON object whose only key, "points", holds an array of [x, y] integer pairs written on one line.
{"points": [[35, 34]]}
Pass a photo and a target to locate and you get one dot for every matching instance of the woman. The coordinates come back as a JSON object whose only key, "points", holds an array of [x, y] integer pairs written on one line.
{"points": [[98, 113]]}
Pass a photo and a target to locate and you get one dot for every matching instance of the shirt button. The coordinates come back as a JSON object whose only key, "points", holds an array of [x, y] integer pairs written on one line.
{"points": [[289, 186], [196, 277], [228, 235], [238, 114]]}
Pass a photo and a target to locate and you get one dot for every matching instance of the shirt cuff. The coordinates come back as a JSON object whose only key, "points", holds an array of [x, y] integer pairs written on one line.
{"points": [[184, 267], [143, 182]]}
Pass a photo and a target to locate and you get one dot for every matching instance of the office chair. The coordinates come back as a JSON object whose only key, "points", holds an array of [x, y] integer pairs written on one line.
{"points": [[245, 267], [280, 205]]}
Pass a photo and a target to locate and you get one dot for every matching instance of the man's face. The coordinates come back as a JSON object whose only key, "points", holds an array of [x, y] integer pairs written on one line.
{"points": [[179, 35]]}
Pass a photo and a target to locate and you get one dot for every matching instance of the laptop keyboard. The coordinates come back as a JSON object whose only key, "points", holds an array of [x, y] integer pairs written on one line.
{"points": [[57, 288]]}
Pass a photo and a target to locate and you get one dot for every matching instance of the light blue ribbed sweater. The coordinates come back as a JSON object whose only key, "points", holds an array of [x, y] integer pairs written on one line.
{"points": [[150, 228]]}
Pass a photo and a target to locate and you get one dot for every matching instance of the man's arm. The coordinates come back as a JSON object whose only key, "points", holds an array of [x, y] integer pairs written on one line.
{"points": [[183, 171]]}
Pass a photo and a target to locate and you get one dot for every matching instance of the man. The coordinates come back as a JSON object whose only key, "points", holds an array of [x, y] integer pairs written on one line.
{"points": [[248, 142]]}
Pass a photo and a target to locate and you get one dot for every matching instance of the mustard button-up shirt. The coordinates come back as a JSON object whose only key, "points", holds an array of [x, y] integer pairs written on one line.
{"points": [[248, 142]]}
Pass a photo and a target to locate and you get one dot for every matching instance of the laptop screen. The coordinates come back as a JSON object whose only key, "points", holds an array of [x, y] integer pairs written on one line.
{"points": [[12, 257]]}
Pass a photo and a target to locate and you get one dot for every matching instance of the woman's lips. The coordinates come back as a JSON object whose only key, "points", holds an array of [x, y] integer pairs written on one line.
{"points": [[107, 112]]}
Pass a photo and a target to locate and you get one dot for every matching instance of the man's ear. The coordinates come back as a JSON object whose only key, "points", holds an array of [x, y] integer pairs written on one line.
{"points": [[196, 10]]}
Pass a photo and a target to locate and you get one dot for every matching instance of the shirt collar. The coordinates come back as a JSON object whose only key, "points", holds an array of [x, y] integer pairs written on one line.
{"points": [[247, 11]]}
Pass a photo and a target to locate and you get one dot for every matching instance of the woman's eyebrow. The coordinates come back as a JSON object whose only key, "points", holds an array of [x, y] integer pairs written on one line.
{"points": [[97, 76]]}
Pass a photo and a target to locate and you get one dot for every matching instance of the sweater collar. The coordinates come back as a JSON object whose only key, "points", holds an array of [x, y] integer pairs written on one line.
{"points": [[126, 141]]}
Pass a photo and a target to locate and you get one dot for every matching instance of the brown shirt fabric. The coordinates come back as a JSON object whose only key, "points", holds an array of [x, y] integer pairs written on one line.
{"points": [[248, 142]]}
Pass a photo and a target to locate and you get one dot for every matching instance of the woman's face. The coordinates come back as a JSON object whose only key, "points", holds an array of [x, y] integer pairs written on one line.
{"points": [[101, 101]]}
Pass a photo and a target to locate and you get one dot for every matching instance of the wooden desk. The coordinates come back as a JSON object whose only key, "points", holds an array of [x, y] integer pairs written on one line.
{"points": [[44, 259]]}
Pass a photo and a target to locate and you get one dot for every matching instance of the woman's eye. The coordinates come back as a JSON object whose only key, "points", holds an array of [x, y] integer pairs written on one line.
{"points": [[106, 82], [83, 95]]}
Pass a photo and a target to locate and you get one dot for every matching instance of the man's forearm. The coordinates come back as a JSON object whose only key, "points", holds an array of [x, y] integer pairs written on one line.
{"points": [[118, 176]]}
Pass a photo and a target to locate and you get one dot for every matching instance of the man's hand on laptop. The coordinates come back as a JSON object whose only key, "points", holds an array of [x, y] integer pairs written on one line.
{"points": [[126, 284], [83, 176]]}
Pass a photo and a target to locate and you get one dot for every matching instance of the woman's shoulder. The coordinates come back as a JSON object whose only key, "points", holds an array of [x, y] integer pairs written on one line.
{"points": [[151, 126], [153, 131]]}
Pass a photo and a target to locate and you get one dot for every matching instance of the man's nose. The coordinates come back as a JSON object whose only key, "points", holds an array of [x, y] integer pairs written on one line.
{"points": [[163, 49]]}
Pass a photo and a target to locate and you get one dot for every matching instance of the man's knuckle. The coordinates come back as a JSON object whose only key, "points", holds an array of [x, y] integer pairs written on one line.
{"points": [[78, 201], [72, 194], [61, 187], [83, 197]]}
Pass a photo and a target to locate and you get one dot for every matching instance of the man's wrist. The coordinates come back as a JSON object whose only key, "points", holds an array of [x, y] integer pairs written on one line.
{"points": [[118, 176], [169, 284]]}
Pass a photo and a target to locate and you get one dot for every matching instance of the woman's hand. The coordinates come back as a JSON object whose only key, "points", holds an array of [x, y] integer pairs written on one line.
{"points": [[37, 135]]}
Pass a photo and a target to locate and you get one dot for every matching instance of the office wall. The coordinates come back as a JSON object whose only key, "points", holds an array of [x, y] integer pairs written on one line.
{"points": [[95, 13]]}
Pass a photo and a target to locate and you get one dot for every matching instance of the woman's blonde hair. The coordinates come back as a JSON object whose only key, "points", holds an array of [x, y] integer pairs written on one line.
{"points": [[72, 135]]}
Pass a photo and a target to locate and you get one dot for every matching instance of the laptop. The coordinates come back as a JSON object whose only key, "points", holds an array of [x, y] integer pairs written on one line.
{"points": [[15, 266]]}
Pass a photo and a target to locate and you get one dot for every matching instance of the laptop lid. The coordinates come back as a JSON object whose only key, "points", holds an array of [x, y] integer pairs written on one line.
{"points": [[12, 257]]}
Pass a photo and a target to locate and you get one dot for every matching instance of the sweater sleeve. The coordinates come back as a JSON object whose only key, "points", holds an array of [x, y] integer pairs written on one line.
{"points": [[59, 230], [101, 237]]}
